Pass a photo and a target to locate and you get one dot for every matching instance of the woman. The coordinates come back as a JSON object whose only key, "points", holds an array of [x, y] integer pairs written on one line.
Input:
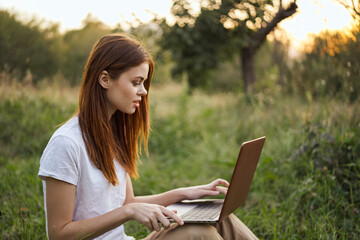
{"points": [[88, 163]]}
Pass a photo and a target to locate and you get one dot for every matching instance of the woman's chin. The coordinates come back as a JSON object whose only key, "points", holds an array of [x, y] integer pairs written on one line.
{"points": [[131, 111]]}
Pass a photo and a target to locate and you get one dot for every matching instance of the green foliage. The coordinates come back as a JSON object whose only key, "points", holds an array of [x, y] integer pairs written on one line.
{"points": [[271, 72], [22, 128], [330, 170], [225, 78], [21, 204], [196, 47], [330, 67], [27, 120], [200, 42], [77, 46], [26, 47]]}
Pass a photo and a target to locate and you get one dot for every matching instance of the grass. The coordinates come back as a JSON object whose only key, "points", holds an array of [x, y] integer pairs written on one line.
{"points": [[306, 185]]}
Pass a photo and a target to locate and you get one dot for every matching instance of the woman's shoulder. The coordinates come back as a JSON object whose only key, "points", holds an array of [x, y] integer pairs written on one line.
{"points": [[61, 157], [67, 137], [69, 130]]}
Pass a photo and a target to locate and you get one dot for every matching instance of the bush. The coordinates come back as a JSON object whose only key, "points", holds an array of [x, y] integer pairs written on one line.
{"points": [[330, 67], [26, 125], [329, 168]]}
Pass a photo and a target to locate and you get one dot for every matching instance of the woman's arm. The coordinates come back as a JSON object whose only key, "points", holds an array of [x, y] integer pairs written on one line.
{"points": [[176, 195], [60, 203]]}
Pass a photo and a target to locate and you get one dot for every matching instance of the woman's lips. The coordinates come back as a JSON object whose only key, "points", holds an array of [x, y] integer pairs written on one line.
{"points": [[137, 103]]}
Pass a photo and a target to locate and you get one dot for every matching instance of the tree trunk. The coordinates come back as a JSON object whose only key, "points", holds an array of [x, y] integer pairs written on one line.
{"points": [[256, 40], [278, 57], [248, 68]]}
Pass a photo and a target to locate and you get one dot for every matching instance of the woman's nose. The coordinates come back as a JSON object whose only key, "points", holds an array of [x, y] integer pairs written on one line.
{"points": [[142, 91]]}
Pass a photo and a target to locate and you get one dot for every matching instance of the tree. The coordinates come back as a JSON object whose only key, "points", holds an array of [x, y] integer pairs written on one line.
{"points": [[77, 45], [353, 7], [220, 31], [26, 47]]}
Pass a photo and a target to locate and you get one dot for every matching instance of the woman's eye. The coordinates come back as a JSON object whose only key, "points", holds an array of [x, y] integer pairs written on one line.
{"points": [[136, 83]]}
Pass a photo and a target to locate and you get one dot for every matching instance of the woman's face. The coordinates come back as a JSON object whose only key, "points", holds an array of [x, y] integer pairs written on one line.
{"points": [[125, 92]]}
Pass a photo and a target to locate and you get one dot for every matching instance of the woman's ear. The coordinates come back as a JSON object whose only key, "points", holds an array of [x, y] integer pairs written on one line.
{"points": [[104, 79]]}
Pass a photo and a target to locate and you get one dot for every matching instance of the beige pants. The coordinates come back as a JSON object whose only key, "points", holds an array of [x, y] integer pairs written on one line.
{"points": [[229, 229]]}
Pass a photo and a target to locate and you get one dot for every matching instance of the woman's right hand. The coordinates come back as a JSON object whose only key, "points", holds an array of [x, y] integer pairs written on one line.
{"points": [[151, 215]]}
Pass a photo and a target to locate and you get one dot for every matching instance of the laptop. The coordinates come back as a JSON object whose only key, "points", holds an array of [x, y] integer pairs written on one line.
{"points": [[216, 210]]}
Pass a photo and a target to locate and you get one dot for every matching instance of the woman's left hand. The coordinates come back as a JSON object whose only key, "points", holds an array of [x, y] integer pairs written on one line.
{"points": [[211, 189]]}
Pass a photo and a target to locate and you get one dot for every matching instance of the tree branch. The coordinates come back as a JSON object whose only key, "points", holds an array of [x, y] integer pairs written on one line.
{"points": [[354, 8], [259, 37], [354, 12]]}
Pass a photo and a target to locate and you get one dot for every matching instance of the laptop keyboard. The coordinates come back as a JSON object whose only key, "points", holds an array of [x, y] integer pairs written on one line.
{"points": [[206, 210]]}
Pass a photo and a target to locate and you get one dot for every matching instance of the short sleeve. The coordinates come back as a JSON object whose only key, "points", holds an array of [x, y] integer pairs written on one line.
{"points": [[60, 160]]}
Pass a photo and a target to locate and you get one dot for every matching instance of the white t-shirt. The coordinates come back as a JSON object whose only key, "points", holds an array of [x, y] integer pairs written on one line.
{"points": [[65, 158]]}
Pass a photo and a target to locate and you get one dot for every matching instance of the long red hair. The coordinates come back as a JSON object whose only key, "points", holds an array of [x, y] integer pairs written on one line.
{"points": [[119, 137]]}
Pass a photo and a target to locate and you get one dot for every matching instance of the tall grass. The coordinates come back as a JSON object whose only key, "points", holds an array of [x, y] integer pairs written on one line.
{"points": [[306, 185]]}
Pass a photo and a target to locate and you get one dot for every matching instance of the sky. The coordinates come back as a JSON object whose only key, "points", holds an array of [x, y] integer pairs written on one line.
{"points": [[312, 16]]}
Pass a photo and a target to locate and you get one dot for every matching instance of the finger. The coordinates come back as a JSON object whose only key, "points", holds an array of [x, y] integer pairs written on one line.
{"points": [[216, 183], [149, 225], [174, 210], [174, 216], [222, 190], [220, 181], [164, 220], [155, 224], [209, 193]]}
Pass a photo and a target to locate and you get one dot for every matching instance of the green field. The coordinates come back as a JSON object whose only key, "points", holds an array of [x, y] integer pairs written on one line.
{"points": [[307, 184]]}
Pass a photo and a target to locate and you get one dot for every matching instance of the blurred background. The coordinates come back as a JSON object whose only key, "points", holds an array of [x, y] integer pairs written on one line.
{"points": [[226, 71]]}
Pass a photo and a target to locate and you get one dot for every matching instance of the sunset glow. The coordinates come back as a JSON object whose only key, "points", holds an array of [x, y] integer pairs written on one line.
{"points": [[312, 16]]}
